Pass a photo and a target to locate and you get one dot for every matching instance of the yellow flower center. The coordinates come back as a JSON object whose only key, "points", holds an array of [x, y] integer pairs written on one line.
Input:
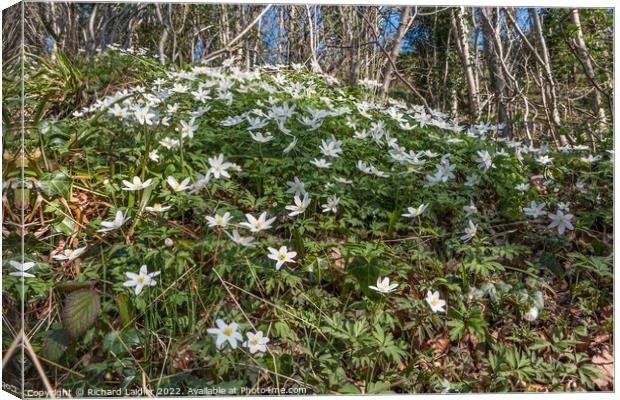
{"points": [[227, 331], [282, 257], [434, 301], [141, 280], [255, 341]]}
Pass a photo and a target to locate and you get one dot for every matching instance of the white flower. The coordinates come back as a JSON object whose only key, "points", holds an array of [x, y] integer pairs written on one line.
{"points": [[363, 134], [433, 300], [281, 256], [219, 167], [176, 186], [290, 146], [257, 225], [256, 342], [140, 280], [331, 205], [471, 181], [531, 314], [119, 220], [384, 286], [260, 138], [561, 221], [331, 148], [470, 209], [444, 169], [256, 123], [187, 129], [137, 184], [201, 181], [564, 206], [143, 115], [245, 241], [299, 205], [179, 87], [219, 220], [544, 160], [119, 111], [226, 333], [169, 142], [485, 161], [522, 187], [534, 210], [157, 208], [154, 156], [296, 186], [590, 159], [172, 108], [69, 254], [321, 163], [415, 212], [470, 232], [21, 269]]}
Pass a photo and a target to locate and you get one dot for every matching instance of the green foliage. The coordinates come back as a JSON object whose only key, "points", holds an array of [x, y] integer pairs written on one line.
{"points": [[329, 331]]}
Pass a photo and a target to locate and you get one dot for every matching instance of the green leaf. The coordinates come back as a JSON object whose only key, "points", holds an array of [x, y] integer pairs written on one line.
{"points": [[125, 308], [349, 388], [55, 183], [366, 273], [378, 387], [66, 226], [80, 311], [55, 344], [120, 342]]}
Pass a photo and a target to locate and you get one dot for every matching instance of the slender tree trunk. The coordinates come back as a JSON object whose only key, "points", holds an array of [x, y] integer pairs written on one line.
{"points": [[491, 51], [280, 33], [164, 34], [550, 86], [582, 50], [403, 26], [461, 36]]}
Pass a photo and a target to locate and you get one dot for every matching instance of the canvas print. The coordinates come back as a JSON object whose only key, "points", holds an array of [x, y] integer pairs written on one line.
{"points": [[299, 199]]}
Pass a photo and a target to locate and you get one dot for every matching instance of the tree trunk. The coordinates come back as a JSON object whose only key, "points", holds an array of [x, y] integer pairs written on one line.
{"points": [[461, 36], [582, 50], [491, 17], [550, 86], [403, 26]]}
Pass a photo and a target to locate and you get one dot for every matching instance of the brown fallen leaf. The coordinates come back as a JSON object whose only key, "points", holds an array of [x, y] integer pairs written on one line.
{"points": [[440, 345], [605, 364]]}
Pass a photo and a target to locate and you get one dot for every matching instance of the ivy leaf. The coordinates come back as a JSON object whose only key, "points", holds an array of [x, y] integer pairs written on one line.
{"points": [[80, 311], [55, 183]]}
